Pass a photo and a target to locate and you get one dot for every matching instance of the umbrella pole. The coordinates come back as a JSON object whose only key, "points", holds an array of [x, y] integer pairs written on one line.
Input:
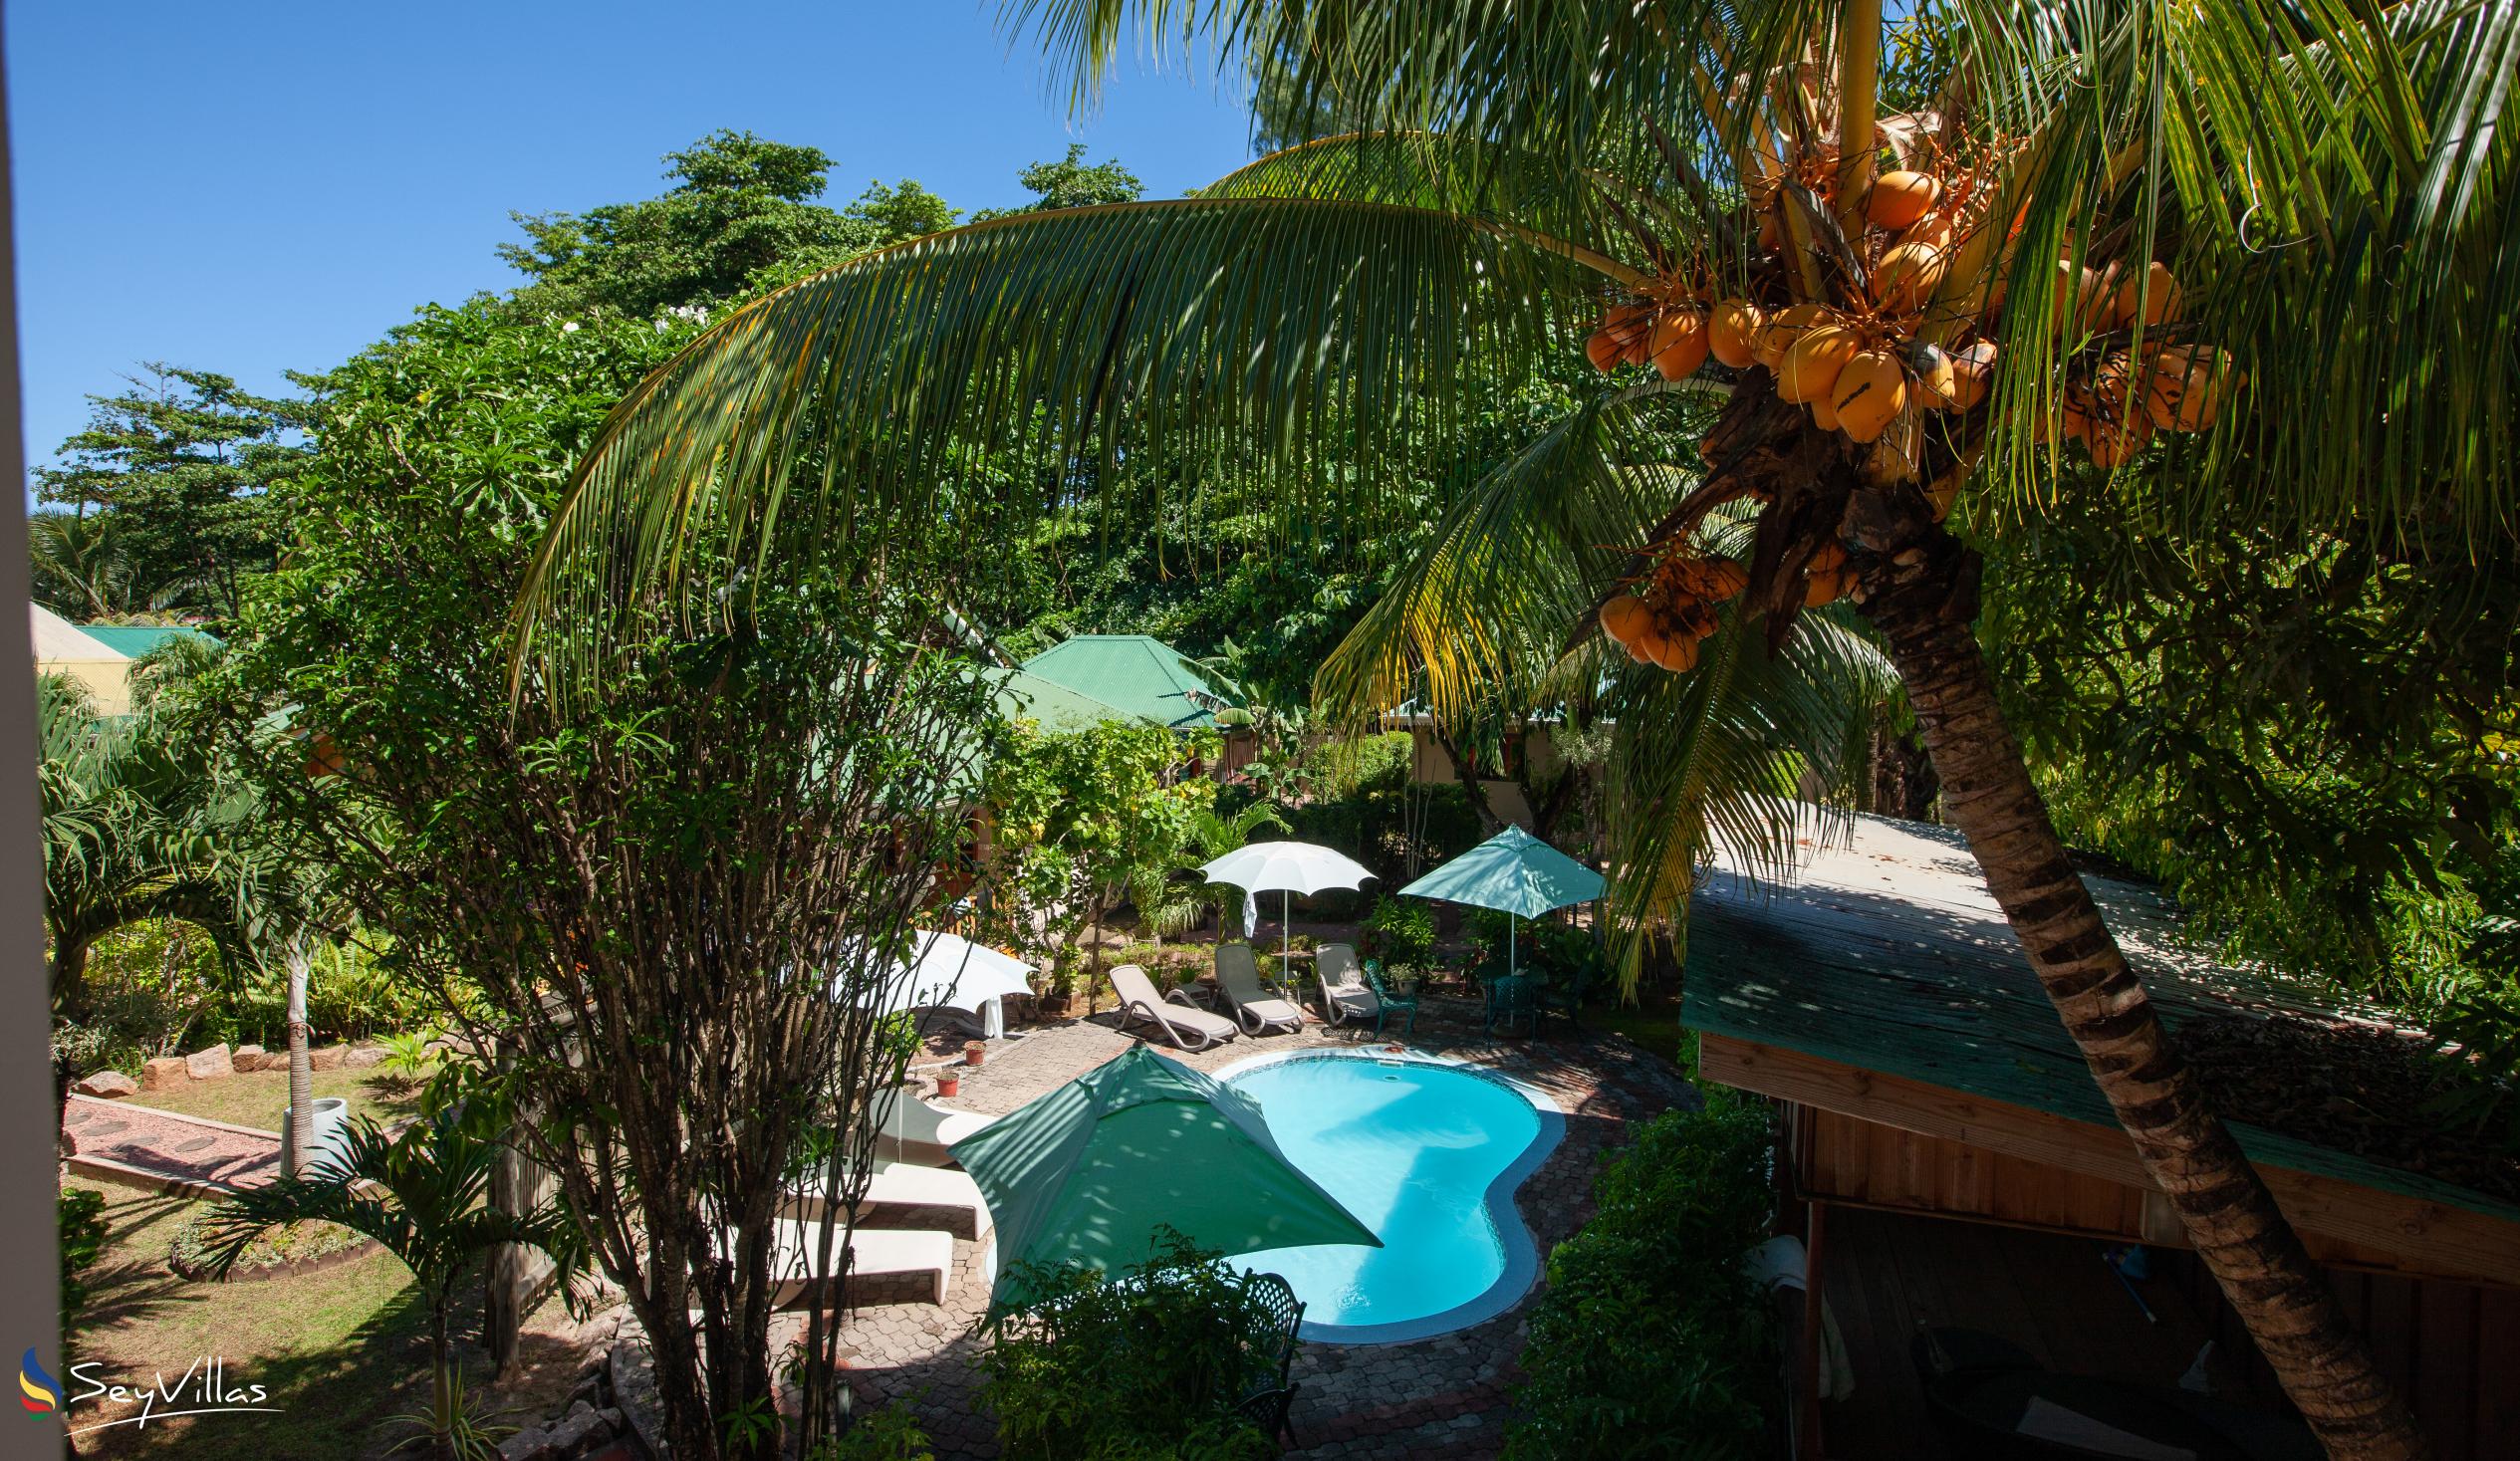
{"points": [[1286, 932], [1512, 954]]}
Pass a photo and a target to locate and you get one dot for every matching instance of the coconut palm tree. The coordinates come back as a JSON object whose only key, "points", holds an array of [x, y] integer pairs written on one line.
{"points": [[423, 1197], [2219, 257]]}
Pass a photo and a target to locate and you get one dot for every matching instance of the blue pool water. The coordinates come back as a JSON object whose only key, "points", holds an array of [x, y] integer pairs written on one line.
{"points": [[1427, 1157]]}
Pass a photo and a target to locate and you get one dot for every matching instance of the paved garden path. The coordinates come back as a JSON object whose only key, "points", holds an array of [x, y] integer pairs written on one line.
{"points": [[162, 1144]]}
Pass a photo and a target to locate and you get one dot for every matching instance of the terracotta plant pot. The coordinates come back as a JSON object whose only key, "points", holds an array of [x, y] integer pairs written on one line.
{"points": [[974, 1052], [948, 1086]]}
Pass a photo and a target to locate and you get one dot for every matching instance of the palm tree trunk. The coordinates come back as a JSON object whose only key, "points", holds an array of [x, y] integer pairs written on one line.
{"points": [[301, 1065], [1924, 610], [443, 1443]]}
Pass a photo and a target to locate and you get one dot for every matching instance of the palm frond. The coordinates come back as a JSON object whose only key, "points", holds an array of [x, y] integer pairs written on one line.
{"points": [[2334, 183], [1484, 611], [1250, 330]]}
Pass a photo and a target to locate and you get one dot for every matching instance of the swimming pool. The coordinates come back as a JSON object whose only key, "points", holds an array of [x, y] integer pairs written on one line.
{"points": [[1425, 1154]]}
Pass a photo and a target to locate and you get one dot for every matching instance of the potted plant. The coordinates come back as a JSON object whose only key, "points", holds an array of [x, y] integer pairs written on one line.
{"points": [[974, 1052], [1052, 1002], [948, 1084]]}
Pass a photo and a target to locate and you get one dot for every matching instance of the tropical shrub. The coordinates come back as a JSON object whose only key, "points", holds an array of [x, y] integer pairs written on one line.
{"points": [[891, 1434], [1651, 1340], [1148, 1365], [1399, 931]]}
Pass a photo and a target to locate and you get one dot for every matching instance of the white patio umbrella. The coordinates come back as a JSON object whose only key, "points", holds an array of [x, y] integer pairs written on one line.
{"points": [[1288, 869], [947, 971], [951, 972]]}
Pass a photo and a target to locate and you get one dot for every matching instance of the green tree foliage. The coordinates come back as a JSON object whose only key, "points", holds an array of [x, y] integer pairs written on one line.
{"points": [[2315, 745], [137, 826], [741, 208], [1070, 183], [1084, 819], [167, 497], [1651, 1340], [578, 861]]}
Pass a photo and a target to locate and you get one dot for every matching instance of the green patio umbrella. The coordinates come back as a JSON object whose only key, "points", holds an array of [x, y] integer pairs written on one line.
{"points": [[1088, 1172], [1512, 873]]}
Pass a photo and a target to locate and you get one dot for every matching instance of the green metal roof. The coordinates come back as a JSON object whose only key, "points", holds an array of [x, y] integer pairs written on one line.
{"points": [[1051, 705], [1889, 955], [1141, 675], [135, 640]]}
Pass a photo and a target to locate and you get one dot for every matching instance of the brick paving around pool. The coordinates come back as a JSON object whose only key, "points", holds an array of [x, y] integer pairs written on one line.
{"points": [[1441, 1397]]}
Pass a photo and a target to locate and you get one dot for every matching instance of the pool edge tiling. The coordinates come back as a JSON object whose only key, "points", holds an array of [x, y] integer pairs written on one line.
{"points": [[1514, 1235]]}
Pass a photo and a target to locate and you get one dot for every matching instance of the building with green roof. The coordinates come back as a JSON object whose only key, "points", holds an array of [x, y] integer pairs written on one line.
{"points": [[1142, 676], [135, 640], [1050, 705]]}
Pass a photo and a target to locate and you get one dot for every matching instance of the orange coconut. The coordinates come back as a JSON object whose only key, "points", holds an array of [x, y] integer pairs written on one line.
{"points": [[1870, 393], [1811, 364], [2183, 390], [1732, 332], [1906, 275], [1676, 654], [2153, 296], [1972, 374], [1622, 615], [1784, 328], [1822, 414], [1898, 200], [1678, 344]]}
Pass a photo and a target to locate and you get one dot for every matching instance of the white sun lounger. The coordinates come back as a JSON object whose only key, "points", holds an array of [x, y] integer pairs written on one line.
{"points": [[1190, 1027], [1238, 981], [918, 1130], [1344, 995], [898, 1266], [926, 1259], [951, 1196]]}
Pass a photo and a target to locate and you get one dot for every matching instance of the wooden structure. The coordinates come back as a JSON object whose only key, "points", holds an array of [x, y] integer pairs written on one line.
{"points": [[1884, 1001]]}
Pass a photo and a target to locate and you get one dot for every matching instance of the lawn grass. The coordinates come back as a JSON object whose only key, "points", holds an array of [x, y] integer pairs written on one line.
{"points": [[339, 1351], [258, 1097]]}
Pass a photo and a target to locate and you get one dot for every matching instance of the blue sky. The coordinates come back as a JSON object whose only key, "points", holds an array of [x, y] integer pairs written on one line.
{"points": [[265, 187]]}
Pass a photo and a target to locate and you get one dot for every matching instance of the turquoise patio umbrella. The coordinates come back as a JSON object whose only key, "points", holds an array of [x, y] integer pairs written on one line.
{"points": [[1087, 1173], [1512, 873]]}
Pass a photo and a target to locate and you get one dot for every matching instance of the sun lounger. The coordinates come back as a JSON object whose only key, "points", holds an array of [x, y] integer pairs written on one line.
{"points": [[884, 1266], [1238, 982], [1344, 995], [904, 1197], [918, 1130], [1190, 1027]]}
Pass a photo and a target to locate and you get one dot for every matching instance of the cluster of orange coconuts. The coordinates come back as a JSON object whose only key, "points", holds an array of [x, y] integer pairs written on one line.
{"points": [[1860, 365], [1667, 623]]}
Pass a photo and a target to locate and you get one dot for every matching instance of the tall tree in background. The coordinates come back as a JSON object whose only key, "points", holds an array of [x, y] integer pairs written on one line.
{"points": [[1071, 182], [740, 205], [175, 474], [2005, 309]]}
